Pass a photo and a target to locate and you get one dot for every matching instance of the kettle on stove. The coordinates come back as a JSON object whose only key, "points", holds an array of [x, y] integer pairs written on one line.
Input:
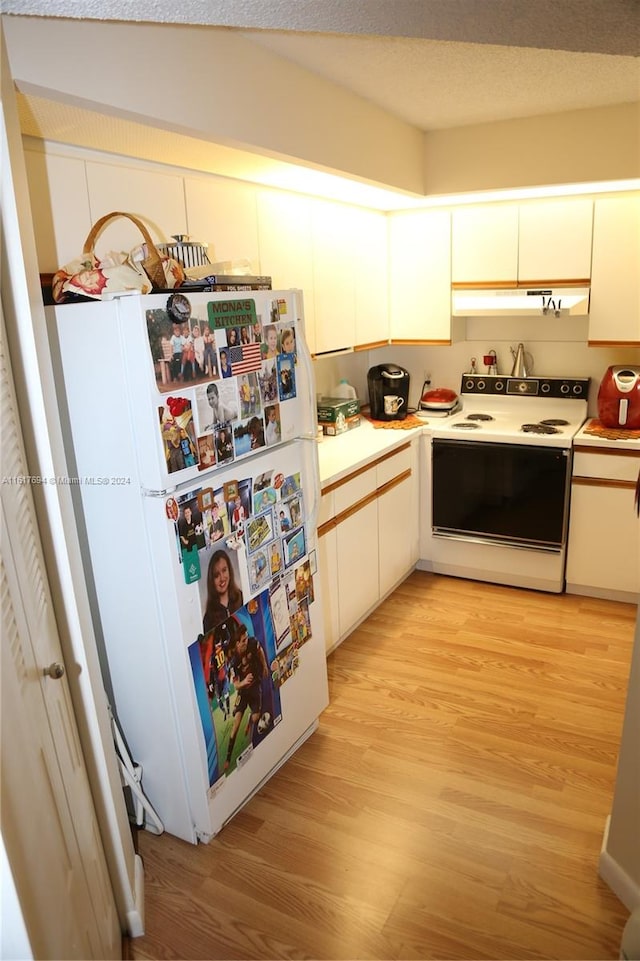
{"points": [[522, 362]]}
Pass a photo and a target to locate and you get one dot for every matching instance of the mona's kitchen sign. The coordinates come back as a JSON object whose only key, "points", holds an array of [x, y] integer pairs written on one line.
{"points": [[231, 313]]}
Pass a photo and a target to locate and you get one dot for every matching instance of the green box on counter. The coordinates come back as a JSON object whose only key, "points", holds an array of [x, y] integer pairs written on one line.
{"points": [[337, 415]]}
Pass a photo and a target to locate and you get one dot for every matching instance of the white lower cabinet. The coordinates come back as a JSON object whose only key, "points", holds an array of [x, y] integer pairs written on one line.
{"points": [[398, 528], [357, 557], [603, 554], [368, 539], [328, 569], [395, 545]]}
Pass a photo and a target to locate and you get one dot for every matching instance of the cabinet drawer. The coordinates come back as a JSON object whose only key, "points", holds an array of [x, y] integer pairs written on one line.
{"points": [[326, 509], [354, 488], [394, 464], [622, 466]]}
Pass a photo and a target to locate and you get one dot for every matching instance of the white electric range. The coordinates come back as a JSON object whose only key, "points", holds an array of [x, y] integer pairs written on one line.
{"points": [[510, 410], [496, 504]]}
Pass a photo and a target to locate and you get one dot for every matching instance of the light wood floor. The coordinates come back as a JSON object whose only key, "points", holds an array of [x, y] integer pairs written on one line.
{"points": [[450, 806]]}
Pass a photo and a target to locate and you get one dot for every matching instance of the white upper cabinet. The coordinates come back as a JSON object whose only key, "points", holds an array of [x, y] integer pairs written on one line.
{"points": [[156, 198], [286, 250], [223, 214], [371, 278], [333, 234], [485, 243], [60, 227], [555, 240], [523, 243], [420, 276], [614, 316], [337, 254]]}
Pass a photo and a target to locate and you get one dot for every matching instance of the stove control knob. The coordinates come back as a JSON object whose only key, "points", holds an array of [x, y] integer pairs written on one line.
{"points": [[481, 385], [546, 387], [564, 389], [577, 389], [470, 384], [498, 386]]}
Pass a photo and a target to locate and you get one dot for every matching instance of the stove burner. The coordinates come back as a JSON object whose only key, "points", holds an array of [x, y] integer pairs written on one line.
{"points": [[555, 422], [539, 429], [479, 417], [465, 425]]}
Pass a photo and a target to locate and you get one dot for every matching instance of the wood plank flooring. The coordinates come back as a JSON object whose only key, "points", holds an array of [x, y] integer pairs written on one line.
{"points": [[450, 806]]}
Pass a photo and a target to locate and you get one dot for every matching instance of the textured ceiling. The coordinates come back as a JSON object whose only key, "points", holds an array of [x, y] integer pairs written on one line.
{"points": [[437, 84], [604, 26], [433, 63]]}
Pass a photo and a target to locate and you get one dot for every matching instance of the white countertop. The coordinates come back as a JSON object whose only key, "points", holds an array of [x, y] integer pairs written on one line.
{"points": [[625, 441], [339, 456]]}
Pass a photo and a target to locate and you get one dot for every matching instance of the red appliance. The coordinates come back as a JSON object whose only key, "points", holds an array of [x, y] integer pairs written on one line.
{"points": [[619, 398], [439, 399]]}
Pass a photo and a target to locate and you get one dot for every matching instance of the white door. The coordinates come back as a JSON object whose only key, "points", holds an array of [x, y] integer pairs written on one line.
{"points": [[49, 825]]}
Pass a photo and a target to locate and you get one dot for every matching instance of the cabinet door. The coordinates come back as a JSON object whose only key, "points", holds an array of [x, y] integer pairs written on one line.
{"points": [[333, 236], [286, 254], [485, 244], [414, 504], [420, 276], [371, 277], [328, 567], [60, 228], [555, 240], [357, 557], [602, 553], [157, 198], [614, 316], [223, 214], [396, 524]]}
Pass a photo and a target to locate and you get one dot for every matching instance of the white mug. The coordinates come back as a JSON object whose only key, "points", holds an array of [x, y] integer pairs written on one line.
{"points": [[392, 403]]}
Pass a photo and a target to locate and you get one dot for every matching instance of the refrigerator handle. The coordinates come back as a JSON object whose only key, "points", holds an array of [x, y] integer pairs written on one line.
{"points": [[314, 508], [304, 355], [309, 436]]}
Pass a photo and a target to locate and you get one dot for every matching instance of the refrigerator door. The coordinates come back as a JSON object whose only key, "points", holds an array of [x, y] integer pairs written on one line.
{"points": [[254, 530], [208, 377], [170, 673]]}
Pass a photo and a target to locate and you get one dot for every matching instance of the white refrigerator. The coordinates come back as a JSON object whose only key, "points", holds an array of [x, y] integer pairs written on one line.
{"points": [[189, 421]]}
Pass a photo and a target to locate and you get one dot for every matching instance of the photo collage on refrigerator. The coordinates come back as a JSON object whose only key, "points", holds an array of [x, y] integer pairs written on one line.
{"points": [[222, 378], [225, 373]]}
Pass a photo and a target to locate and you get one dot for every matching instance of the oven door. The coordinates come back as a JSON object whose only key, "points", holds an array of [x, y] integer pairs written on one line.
{"points": [[501, 493]]}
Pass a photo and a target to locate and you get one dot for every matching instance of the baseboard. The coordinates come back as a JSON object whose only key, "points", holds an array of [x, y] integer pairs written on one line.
{"points": [[624, 887], [607, 594], [135, 917]]}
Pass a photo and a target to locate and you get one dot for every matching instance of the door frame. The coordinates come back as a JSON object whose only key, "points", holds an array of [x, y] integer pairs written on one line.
{"points": [[27, 346]]}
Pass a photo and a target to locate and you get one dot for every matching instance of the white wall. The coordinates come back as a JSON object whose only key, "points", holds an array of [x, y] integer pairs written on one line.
{"points": [[578, 146], [213, 84], [14, 940], [620, 857], [555, 356]]}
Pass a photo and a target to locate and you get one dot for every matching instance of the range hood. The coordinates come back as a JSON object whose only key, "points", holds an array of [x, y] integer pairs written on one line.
{"points": [[521, 302]]}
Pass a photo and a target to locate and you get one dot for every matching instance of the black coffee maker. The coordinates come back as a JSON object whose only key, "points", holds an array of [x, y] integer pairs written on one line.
{"points": [[388, 392]]}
